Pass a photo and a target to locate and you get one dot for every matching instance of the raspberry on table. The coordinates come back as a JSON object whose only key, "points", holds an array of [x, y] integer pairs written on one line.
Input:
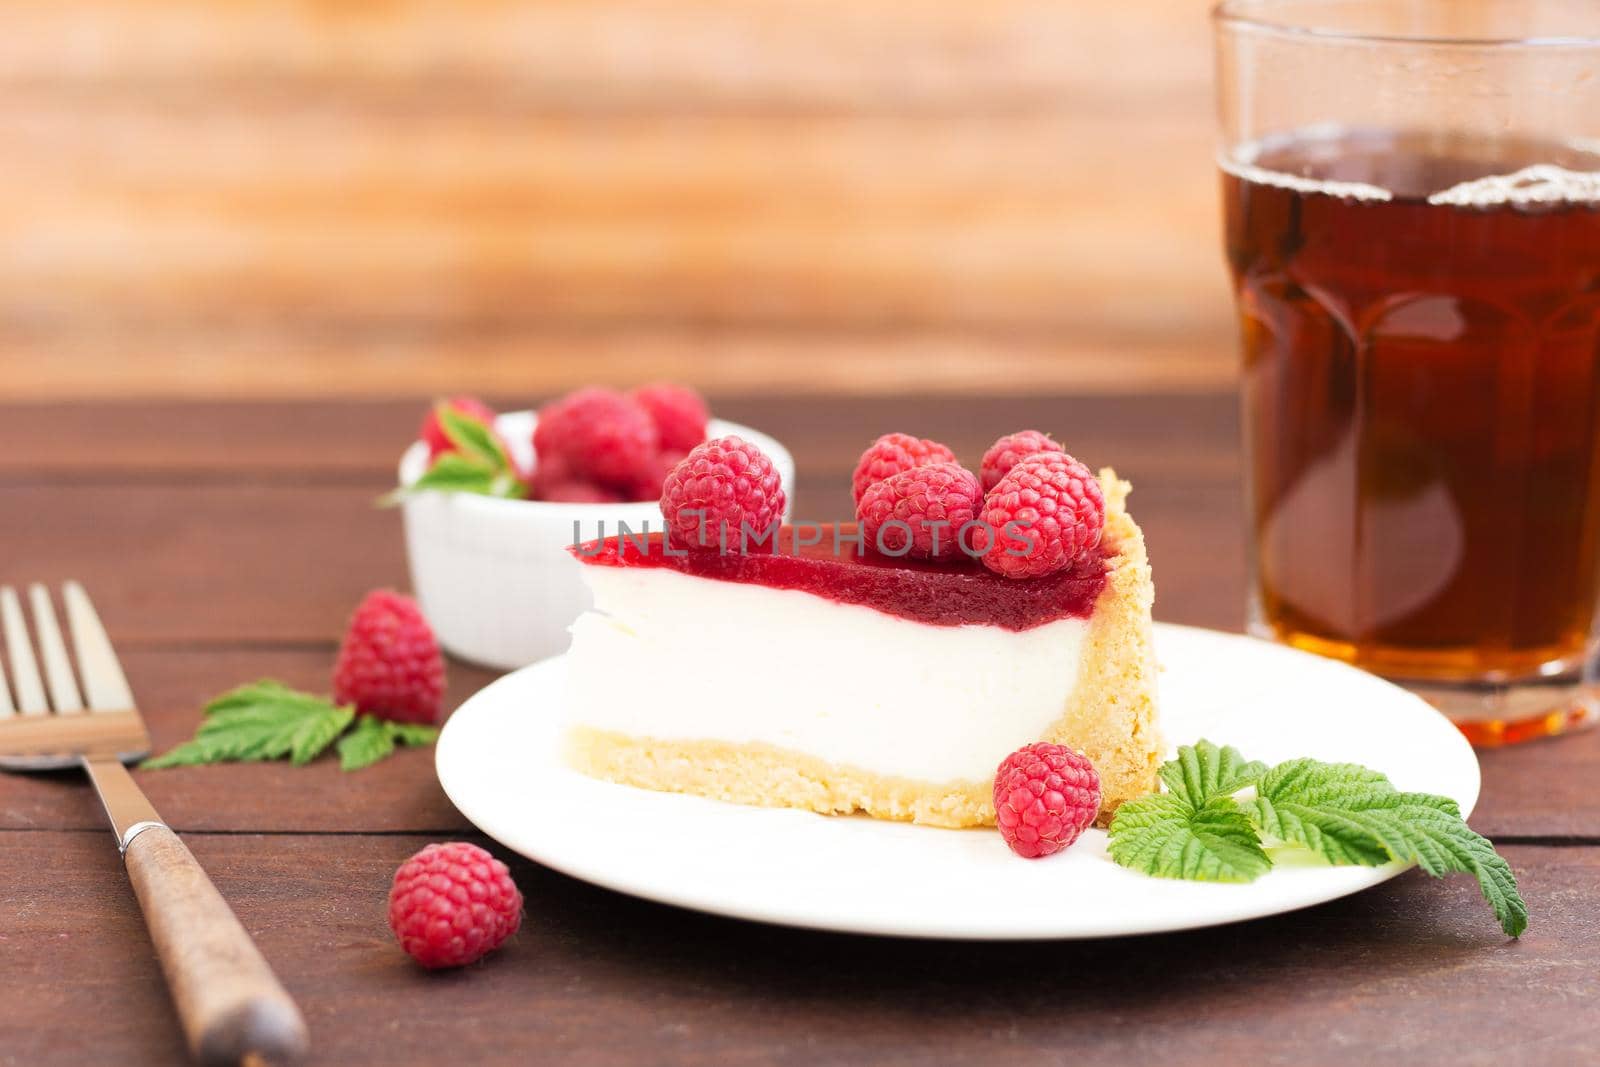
{"points": [[389, 664], [433, 429], [891, 454], [1045, 796], [680, 414], [452, 904], [1004, 454], [720, 487], [1059, 512], [603, 435], [934, 500]]}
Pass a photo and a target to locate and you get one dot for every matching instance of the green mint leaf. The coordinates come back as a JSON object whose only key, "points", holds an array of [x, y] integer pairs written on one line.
{"points": [[1346, 813], [452, 472], [412, 734], [368, 743], [1441, 843], [316, 733], [1203, 771], [260, 721], [375, 739], [1305, 802], [472, 436], [457, 472], [1350, 814], [1164, 835], [188, 754]]}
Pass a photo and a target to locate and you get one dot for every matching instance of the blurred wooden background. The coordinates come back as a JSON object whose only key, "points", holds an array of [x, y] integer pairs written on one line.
{"points": [[266, 198]]}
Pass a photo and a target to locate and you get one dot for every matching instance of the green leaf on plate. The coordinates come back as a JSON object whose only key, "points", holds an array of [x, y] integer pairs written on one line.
{"points": [[1204, 771], [1166, 836], [1349, 814]]}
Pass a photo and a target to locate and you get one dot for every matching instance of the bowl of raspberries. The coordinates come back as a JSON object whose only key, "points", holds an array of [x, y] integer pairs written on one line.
{"points": [[491, 501]]}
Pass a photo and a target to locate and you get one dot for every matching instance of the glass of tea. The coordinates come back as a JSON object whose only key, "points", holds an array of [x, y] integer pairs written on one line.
{"points": [[1411, 192]]}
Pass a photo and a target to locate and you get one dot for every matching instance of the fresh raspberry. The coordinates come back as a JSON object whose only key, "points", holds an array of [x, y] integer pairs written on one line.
{"points": [[605, 437], [935, 493], [719, 488], [389, 664], [1057, 507], [679, 412], [649, 487], [893, 453], [556, 482], [433, 429], [453, 904], [439, 442], [1044, 796], [1004, 453], [577, 493]]}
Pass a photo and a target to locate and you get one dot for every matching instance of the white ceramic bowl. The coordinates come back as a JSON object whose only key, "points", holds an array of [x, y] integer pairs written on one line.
{"points": [[494, 576]]}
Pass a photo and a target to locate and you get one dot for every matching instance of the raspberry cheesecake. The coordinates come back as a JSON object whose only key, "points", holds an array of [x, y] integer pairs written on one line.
{"points": [[865, 667]]}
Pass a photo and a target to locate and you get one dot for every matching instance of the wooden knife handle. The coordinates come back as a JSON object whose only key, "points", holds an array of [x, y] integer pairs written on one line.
{"points": [[232, 1007]]}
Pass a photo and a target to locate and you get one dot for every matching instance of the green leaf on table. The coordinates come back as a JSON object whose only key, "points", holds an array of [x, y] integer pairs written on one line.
{"points": [[413, 735], [375, 739], [1165, 835], [1349, 814], [368, 743], [261, 721]]}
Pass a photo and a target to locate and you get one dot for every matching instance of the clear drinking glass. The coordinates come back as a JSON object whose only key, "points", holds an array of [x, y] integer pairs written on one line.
{"points": [[1412, 201]]}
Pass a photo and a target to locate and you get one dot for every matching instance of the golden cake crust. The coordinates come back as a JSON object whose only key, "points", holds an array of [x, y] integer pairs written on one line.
{"points": [[1111, 719]]}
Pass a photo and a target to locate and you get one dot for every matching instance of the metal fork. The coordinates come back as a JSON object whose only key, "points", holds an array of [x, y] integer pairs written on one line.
{"points": [[232, 1006]]}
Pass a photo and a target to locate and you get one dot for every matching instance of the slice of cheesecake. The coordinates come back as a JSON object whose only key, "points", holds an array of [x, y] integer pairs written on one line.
{"points": [[830, 678]]}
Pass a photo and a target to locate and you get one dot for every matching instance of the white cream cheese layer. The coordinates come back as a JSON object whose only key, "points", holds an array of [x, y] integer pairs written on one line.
{"points": [[673, 657]]}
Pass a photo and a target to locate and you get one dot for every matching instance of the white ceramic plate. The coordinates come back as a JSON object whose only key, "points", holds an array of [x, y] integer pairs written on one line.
{"points": [[499, 762]]}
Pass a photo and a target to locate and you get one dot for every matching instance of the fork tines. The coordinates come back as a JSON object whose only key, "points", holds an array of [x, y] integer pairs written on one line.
{"points": [[27, 698]]}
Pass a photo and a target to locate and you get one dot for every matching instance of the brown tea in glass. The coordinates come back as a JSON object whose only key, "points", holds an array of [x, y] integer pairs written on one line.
{"points": [[1420, 321]]}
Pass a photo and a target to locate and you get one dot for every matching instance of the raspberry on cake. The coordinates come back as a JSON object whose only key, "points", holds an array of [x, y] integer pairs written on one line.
{"points": [[822, 675], [1011, 449], [1045, 512], [724, 492], [920, 512], [891, 454]]}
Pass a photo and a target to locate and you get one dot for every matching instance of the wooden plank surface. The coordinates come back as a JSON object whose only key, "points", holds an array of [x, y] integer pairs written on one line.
{"points": [[227, 543], [1409, 972], [1165, 438], [855, 222], [633, 55], [172, 685], [315, 198]]}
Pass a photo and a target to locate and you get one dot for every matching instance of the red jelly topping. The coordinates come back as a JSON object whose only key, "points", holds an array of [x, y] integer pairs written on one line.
{"points": [[959, 592]]}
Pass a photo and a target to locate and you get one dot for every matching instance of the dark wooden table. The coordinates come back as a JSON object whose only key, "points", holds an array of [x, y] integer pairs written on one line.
{"points": [[229, 542]]}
